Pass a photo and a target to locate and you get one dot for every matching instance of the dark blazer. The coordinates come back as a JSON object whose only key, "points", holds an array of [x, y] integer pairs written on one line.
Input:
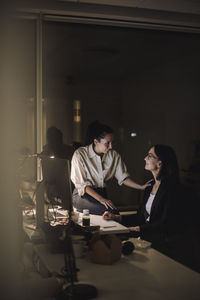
{"points": [[174, 224], [163, 215], [164, 212]]}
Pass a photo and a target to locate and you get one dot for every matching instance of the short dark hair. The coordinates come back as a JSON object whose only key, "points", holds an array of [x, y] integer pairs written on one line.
{"points": [[98, 131], [167, 156]]}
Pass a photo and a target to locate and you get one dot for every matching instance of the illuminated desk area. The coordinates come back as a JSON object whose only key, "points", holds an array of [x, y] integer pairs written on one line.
{"points": [[146, 274], [106, 227]]}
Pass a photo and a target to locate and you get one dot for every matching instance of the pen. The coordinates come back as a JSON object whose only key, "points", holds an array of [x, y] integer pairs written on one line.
{"points": [[109, 226]]}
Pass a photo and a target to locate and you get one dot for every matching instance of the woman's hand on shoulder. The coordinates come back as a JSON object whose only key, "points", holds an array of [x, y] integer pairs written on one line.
{"points": [[148, 183]]}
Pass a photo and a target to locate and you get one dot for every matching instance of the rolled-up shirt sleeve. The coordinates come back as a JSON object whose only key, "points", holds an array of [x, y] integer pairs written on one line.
{"points": [[78, 174], [121, 171]]}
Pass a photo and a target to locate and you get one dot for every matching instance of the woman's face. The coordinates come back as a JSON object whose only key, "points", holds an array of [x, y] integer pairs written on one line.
{"points": [[104, 145], [153, 163]]}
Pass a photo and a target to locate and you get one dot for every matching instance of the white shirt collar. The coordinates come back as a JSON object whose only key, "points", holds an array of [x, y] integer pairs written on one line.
{"points": [[91, 152]]}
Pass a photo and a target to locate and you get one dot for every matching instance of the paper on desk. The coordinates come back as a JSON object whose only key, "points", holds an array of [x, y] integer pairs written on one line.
{"points": [[98, 220]]}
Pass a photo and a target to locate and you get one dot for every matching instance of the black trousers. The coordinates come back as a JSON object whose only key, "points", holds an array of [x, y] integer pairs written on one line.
{"points": [[88, 202]]}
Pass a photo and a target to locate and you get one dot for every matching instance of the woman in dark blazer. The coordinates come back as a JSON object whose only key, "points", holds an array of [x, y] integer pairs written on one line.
{"points": [[169, 214], [157, 216]]}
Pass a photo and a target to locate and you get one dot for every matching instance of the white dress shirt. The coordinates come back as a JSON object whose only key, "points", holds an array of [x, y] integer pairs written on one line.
{"points": [[149, 204], [90, 169]]}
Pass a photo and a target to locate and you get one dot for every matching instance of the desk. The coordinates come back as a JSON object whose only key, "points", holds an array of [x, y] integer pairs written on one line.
{"points": [[144, 275], [106, 226], [37, 235]]}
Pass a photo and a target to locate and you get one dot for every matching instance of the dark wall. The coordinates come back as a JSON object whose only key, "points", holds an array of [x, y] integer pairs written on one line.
{"points": [[148, 85]]}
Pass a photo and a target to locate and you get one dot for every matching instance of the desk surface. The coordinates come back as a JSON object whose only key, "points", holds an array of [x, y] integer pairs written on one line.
{"points": [[106, 227], [144, 275]]}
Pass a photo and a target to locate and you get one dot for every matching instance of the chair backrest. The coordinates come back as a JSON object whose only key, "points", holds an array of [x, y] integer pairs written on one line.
{"points": [[56, 176]]}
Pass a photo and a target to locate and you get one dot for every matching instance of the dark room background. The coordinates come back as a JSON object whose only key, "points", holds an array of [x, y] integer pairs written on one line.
{"points": [[136, 80]]}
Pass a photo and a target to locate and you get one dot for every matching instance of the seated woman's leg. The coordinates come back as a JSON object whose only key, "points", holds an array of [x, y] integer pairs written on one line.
{"points": [[88, 202]]}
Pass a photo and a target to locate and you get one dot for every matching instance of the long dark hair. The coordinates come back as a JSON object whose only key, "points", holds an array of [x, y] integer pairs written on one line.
{"points": [[170, 168], [97, 131]]}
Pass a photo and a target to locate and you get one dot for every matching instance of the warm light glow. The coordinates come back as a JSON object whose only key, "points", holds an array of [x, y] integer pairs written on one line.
{"points": [[77, 111]]}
